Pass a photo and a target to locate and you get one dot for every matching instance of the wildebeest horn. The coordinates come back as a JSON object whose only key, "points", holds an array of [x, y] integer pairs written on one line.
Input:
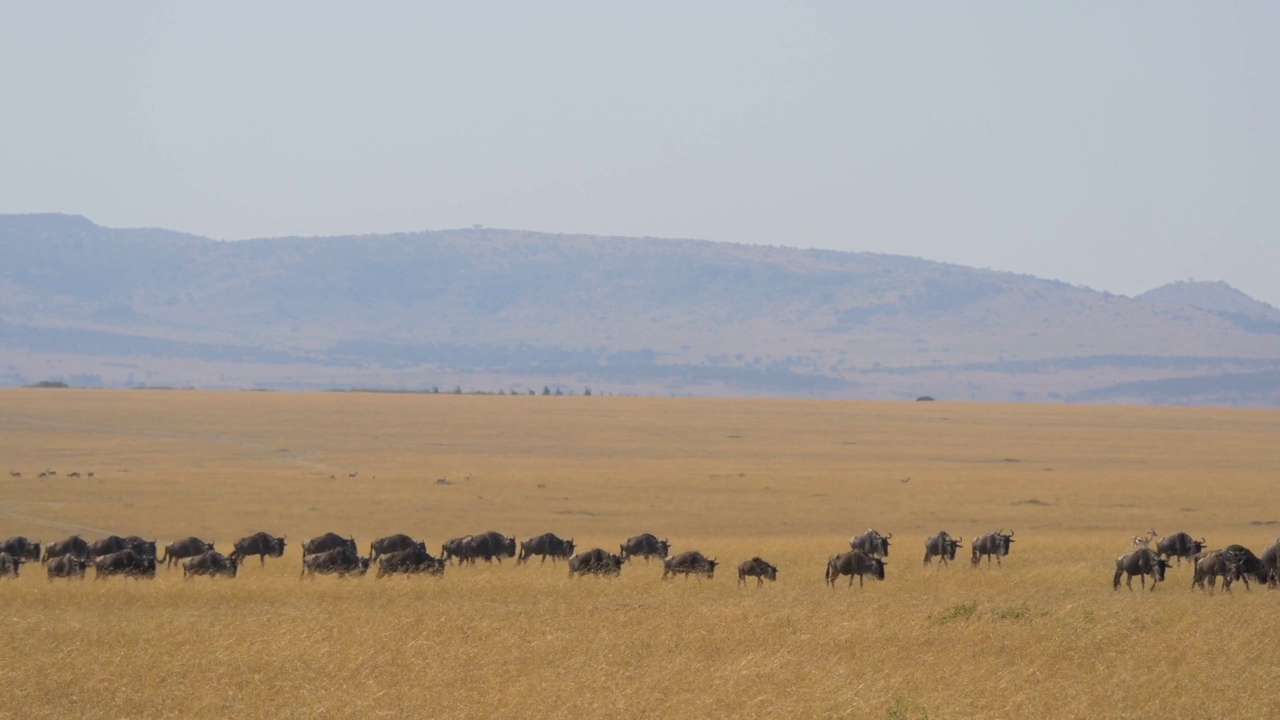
{"points": [[1011, 533], [959, 540], [889, 536], [1203, 542]]}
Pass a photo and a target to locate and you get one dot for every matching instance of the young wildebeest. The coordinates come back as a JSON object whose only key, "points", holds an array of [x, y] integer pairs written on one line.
{"points": [[1141, 562], [328, 541], [22, 548], [125, 562], [9, 565], [758, 569], [261, 544], [1180, 545], [67, 566], [74, 545], [991, 545], [853, 563], [454, 548], [411, 561], [871, 543], [595, 562], [1213, 565], [211, 563], [942, 546], [187, 547], [546, 545], [392, 543], [646, 545], [689, 563], [341, 561]]}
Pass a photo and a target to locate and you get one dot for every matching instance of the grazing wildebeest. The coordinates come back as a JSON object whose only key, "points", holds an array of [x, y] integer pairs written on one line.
{"points": [[646, 545], [854, 562], [871, 543], [187, 547], [211, 563], [145, 548], [942, 546], [106, 546], [73, 475], [489, 545], [1213, 565], [328, 541], [1180, 545], [124, 562], [991, 545], [390, 544], [1271, 562], [410, 561], [546, 545], [21, 547], [455, 548], [67, 566], [74, 545], [595, 561], [1248, 565], [1141, 562], [689, 563], [341, 561], [10, 564], [758, 569], [261, 544]]}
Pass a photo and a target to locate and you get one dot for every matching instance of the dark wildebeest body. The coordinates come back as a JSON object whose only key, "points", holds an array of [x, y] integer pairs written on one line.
{"points": [[392, 543], [261, 544], [454, 548], [145, 548], [1180, 545], [1141, 562], [1248, 565], [689, 563], [546, 545], [1271, 563], [107, 546], [411, 561], [1213, 565], [646, 545], [595, 561], [125, 562], [854, 562], [21, 547], [10, 564], [67, 566], [941, 546], [211, 563], [74, 545], [991, 545], [489, 546], [341, 561], [871, 543], [187, 547], [329, 541], [758, 569]]}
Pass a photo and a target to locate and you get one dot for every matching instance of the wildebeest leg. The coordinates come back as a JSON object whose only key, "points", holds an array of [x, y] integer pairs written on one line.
{"points": [[262, 560], [759, 581]]}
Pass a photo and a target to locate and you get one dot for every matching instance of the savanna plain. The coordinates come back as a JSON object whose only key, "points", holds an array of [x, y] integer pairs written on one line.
{"points": [[1042, 635]]}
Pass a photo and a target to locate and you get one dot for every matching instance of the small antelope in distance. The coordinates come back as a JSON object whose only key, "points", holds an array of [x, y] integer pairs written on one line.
{"points": [[73, 475], [1145, 540], [15, 473]]}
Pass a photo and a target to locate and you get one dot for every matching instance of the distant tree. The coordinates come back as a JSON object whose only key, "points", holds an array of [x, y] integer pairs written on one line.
{"points": [[587, 392], [531, 392], [558, 392], [457, 389], [546, 390]]}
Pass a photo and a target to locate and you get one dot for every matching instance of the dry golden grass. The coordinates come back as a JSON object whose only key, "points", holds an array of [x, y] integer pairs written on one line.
{"points": [[1043, 636]]}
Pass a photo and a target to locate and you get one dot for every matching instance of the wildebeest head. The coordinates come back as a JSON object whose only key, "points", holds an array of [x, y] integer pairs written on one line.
{"points": [[1005, 540], [568, 548], [1159, 568], [664, 546], [711, 567], [278, 549], [1197, 546]]}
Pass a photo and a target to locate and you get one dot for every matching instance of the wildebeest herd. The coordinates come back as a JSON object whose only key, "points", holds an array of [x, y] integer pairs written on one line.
{"points": [[332, 554]]}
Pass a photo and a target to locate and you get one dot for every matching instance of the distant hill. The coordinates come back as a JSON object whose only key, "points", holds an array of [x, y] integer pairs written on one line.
{"points": [[484, 309]]}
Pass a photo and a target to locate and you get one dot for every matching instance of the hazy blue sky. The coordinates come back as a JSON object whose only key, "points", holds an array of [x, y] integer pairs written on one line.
{"points": [[1115, 145]]}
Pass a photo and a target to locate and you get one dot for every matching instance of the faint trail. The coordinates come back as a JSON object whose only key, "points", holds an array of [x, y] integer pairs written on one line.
{"points": [[6, 511]]}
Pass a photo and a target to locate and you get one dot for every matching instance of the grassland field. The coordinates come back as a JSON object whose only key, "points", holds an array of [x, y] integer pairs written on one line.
{"points": [[1042, 636]]}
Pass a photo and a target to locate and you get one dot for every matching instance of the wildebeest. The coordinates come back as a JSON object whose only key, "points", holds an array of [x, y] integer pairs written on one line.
{"points": [[341, 561], [1141, 562], [328, 541], [689, 563], [261, 544], [124, 562], [546, 545], [454, 548], [1271, 562], [390, 544], [67, 566], [412, 560], [187, 547], [73, 475], [211, 563], [74, 545], [15, 473], [489, 546], [646, 545], [10, 564], [595, 561], [21, 547], [1248, 565], [1180, 545], [107, 546], [145, 548], [942, 546], [991, 545], [758, 569], [854, 562], [871, 543], [1213, 565]]}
